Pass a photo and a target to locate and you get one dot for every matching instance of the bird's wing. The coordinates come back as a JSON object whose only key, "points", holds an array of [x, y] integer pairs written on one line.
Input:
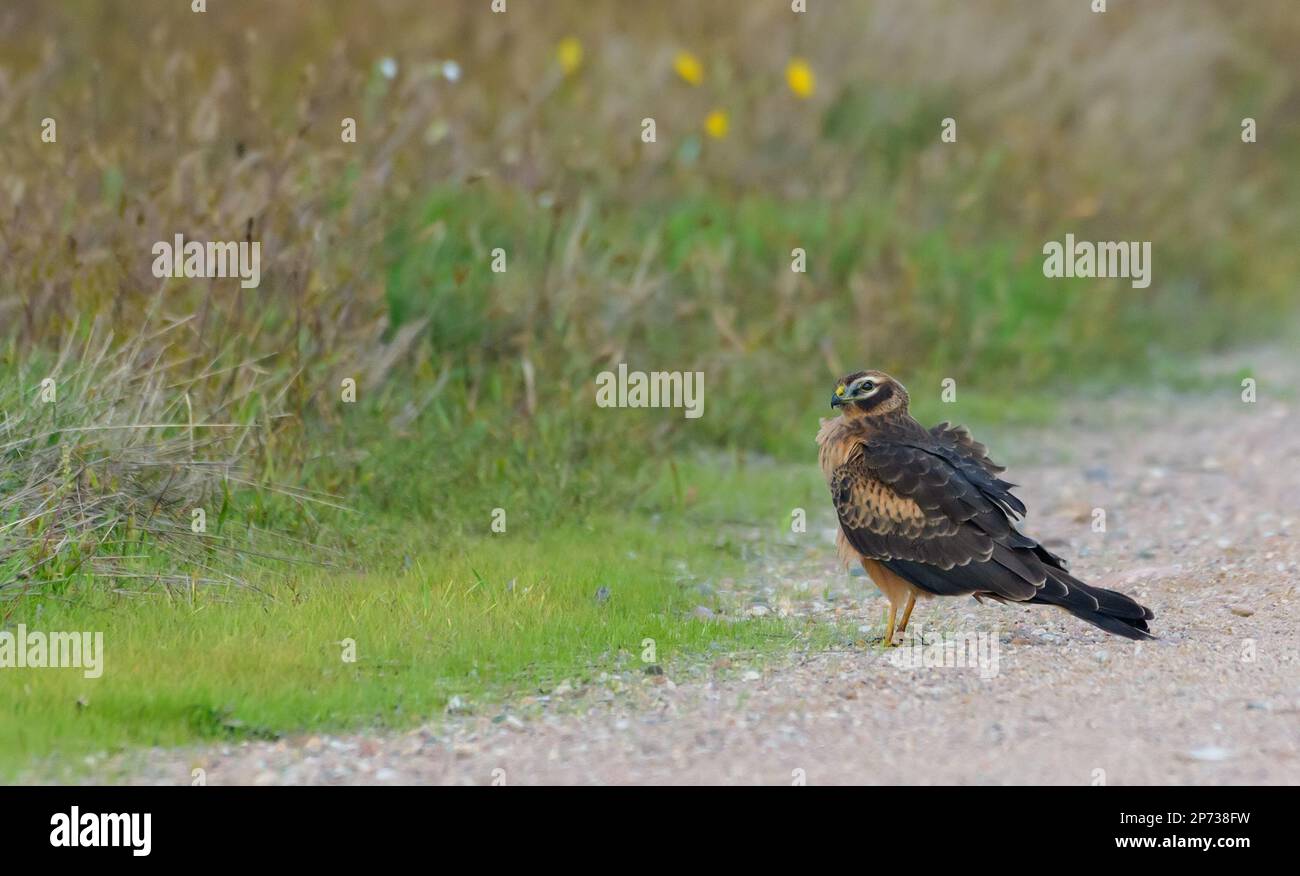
{"points": [[956, 445], [922, 503], [942, 521], [959, 439]]}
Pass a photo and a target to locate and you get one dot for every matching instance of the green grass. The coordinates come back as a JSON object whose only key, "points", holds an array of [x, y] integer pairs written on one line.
{"points": [[499, 614]]}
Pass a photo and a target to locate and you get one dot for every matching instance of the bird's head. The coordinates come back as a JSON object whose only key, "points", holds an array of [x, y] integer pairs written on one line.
{"points": [[868, 394]]}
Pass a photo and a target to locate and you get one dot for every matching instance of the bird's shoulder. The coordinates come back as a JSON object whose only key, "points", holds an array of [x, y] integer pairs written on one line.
{"points": [[943, 469], [958, 439]]}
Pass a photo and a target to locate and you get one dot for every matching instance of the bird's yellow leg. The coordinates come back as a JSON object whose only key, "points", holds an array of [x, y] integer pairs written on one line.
{"points": [[889, 625], [907, 612]]}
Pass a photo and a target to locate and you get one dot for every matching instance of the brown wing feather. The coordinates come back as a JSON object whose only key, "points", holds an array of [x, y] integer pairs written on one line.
{"points": [[900, 501], [959, 439], [897, 512]]}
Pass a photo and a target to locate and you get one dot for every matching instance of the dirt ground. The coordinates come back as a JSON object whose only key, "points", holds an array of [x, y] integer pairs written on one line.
{"points": [[1202, 503]]}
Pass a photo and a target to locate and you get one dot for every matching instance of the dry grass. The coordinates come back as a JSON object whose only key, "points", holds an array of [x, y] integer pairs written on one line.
{"points": [[226, 125], [104, 458]]}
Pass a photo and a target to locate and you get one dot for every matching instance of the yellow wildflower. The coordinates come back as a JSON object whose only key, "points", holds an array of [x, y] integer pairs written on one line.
{"points": [[570, 55], [800, 78], [716, 124], [689, 68]]}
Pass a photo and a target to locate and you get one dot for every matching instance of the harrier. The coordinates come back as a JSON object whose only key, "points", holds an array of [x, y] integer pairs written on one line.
{"points": [[926, 514]]}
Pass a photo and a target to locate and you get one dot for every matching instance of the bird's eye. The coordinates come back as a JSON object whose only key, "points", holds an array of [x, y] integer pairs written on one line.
{"points": [[868, 385]]}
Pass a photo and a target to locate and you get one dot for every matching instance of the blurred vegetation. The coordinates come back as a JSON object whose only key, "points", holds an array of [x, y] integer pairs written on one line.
{"points": [[522, 131]]}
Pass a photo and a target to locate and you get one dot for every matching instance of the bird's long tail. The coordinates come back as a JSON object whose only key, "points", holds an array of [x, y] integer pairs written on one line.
{"points": [[1113, 612]]}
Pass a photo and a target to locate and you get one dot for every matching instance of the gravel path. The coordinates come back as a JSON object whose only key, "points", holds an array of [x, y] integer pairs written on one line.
{"points": [[1203, 525]]}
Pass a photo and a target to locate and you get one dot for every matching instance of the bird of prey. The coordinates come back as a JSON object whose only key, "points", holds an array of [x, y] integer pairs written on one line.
{"points": [[926, 514]]}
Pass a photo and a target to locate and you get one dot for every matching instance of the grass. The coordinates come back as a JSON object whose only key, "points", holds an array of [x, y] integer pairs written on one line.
{"points": [[497, 615], [104, 464]]}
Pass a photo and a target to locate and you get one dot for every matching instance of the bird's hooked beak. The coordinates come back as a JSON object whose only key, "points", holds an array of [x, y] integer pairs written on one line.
{"points": [[839, 398]]}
